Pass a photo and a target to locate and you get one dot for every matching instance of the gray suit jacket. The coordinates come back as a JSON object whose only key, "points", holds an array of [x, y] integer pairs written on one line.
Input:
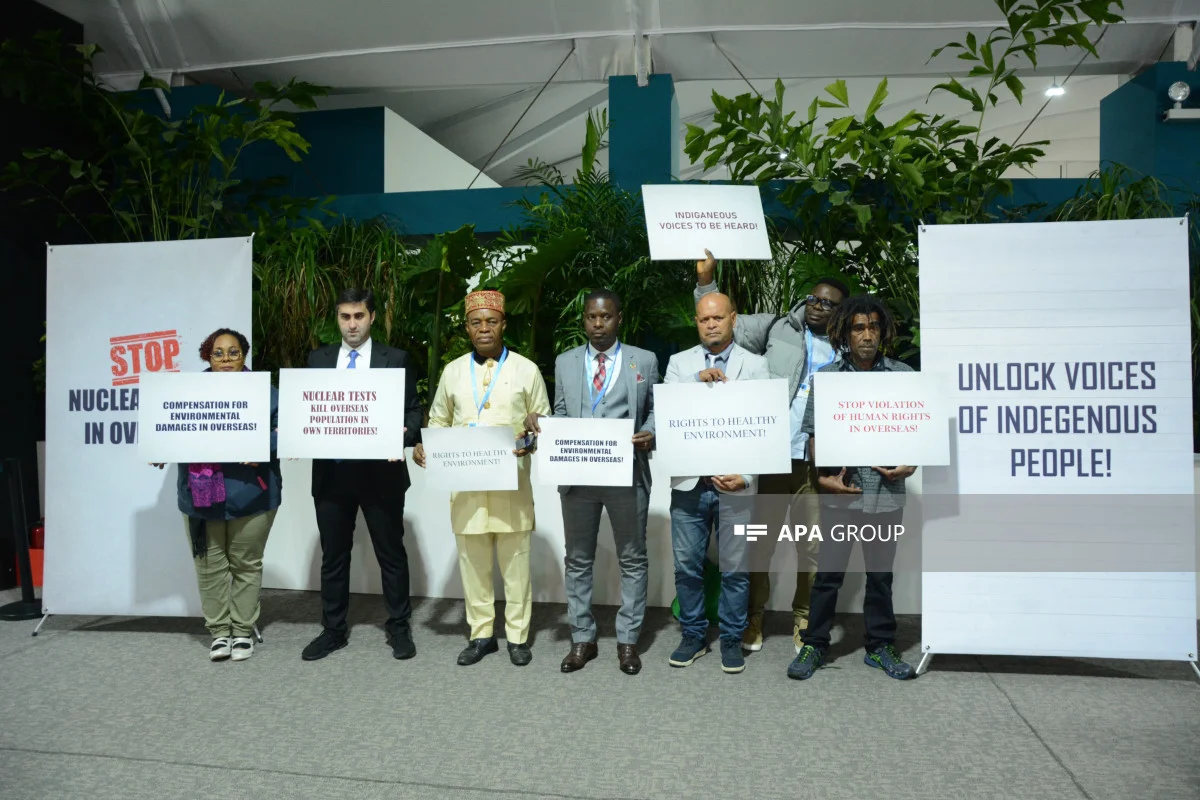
{"points": [[743, 366], [639, 372]]}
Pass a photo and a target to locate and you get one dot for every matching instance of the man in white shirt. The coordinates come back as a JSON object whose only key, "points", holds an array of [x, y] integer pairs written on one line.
{"points": [[340, 487]]}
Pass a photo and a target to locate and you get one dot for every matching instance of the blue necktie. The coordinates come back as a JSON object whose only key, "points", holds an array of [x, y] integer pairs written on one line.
{"points": [[353, 357]]}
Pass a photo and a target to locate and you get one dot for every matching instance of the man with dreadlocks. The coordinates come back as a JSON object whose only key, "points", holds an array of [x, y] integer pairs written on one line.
{"points": [[861, 328]]}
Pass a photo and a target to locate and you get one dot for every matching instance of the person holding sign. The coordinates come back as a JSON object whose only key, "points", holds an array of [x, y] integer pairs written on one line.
{"points": [[229, 510], [860, 329], [695, 501], [492, 386], [341, 487], [795, 345], [606, 379]]}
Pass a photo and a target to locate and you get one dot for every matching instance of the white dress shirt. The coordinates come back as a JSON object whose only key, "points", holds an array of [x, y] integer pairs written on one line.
{"points": [[612, 365], [364, 356]]}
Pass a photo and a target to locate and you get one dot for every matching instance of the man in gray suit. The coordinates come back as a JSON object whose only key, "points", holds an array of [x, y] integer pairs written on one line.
{"points": [[606, 379], [696, 501]]}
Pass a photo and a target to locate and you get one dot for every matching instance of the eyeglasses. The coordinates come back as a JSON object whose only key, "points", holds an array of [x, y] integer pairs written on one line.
{"points": [[232, 355], [820, 301]]}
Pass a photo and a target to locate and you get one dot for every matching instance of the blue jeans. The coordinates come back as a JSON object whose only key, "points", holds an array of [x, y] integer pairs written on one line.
{"points": [[694, 514]]}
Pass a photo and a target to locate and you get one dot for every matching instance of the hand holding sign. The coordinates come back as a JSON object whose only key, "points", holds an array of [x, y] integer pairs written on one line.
{"points": [[836, 484], [706, 269]]}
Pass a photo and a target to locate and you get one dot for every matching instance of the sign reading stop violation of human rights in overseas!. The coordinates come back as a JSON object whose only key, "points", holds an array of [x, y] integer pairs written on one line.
{"points": [[682, 220], [585, 452], [341, 413], [880, 419], [731, 428], [475, 459], [192, 417]]}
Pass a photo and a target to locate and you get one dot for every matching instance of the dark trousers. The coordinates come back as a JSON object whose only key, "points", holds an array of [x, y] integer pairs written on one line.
{"points": [[348, 487], [878, 617]]}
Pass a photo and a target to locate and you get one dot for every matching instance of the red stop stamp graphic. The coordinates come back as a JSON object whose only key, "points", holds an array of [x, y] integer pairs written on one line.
{"points": [[143, 352]]}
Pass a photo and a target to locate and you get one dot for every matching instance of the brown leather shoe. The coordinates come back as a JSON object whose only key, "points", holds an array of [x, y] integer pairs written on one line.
{"points": [[581, 653], [627, 656]]}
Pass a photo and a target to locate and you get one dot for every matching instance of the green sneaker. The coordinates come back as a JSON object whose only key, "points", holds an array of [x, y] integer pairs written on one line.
{"points": [[887, 659], [807, 661]]}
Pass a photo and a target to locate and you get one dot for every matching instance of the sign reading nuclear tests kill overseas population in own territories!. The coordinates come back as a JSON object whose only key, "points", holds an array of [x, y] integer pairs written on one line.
{"points": [[682, 220], [204, 417], [341, 413]]}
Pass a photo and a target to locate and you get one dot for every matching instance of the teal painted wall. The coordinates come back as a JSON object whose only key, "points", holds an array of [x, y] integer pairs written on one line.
{"points": [[643, 139]]}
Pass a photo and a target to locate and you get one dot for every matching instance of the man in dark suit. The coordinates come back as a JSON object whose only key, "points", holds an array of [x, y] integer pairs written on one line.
{"points": [[606, 379], [341, 487]]}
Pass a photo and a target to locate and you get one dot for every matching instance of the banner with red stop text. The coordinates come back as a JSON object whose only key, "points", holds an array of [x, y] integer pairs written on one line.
{"points": [[115, 541], [341, 413]]}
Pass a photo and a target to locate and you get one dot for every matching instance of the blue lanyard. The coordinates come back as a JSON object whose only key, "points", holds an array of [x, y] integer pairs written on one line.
{"points": [[607, 377], [475, 386], [808, 342]]}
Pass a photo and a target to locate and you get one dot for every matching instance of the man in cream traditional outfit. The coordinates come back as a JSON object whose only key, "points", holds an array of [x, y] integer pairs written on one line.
{"points": [[696, 501], [606, 379], [491, 386]]}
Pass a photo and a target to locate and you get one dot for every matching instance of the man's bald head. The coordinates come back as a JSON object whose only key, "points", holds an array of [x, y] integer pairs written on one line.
{"points": [[715, 319]]}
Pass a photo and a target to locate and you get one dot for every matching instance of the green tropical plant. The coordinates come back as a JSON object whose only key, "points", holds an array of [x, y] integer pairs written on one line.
{"points": [[574, 239], [135, 174], [858, 186]]}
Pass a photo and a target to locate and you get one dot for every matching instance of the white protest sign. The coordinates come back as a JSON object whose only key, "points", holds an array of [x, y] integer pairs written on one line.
{"points": [[737, 427], [585, 452], [880, 419], [474, 459], [204, 417], [684, 219], [341, 413]]}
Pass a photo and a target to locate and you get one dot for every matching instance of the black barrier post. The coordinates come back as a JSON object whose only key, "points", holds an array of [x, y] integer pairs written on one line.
{"points": [[28, 607]]}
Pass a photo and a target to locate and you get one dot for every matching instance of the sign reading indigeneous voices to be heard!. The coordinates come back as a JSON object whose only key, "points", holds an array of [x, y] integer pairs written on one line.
{"points": [[474, 459], [204, 417], [585, 452], [736, 427], [881, 419], [682, 220], [341, 413]]}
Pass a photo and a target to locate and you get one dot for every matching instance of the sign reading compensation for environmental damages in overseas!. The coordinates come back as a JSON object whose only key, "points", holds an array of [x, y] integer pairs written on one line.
{"points": [[475, 459], [738, 427], [585, 452], [341, 413], [682, 220], [201, 417], [881, 418]]}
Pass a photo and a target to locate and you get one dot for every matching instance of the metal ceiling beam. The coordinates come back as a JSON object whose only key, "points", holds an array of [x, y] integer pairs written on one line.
{"points": [[445, 123], [540, 131], [567, 37]]}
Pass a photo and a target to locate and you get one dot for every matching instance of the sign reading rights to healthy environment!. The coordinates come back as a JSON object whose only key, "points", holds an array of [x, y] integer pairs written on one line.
{"points": [[190, 417], [684, 219], [880, 418], [585, 452], [475, 459], [341, 413], [738, 427]]}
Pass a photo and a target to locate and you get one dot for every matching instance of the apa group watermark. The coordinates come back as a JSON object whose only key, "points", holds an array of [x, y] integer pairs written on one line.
{"points": [[813, 533]]}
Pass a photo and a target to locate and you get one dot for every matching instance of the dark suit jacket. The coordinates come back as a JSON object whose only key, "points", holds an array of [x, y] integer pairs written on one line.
{"points": [[387, 476]]}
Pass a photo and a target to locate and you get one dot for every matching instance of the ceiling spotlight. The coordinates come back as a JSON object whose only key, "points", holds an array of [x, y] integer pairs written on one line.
{"points": [[1179, 92], [782, 155], [1055, 91]]}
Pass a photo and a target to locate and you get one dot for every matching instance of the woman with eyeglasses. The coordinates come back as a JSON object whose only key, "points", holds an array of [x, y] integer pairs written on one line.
{"points": [[229, 509]]}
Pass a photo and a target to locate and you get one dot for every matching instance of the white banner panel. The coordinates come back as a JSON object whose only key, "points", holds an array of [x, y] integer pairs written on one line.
{"points": [[736, 427], [115, 540], [189, 417], [880, 419], [683, 219], [475, 459], [585, 452], [1065, 348], [341, 413]]}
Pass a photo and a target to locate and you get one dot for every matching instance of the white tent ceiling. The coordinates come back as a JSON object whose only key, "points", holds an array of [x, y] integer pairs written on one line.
{"points": [[465, 71]]}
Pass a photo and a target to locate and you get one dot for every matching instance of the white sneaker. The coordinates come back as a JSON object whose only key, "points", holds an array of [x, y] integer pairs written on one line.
{"points": [[220, 649], [243, 648]]}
